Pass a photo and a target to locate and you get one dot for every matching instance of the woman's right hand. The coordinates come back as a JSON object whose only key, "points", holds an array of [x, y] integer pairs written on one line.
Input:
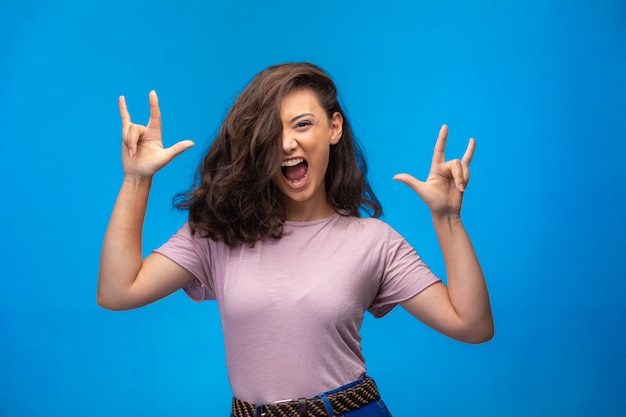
{"points": [[143, 153]]}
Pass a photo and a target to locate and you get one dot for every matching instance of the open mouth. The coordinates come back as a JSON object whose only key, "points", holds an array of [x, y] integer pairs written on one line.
{"points": [[295, 170]]}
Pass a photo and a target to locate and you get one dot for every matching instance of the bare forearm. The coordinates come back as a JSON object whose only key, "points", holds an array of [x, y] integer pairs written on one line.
{"points": [[466, 283], [121, 256]]}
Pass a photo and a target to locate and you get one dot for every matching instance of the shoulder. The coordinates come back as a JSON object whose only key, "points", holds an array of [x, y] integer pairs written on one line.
{"points": [[367, 228], [369, 224], [186, 239]]}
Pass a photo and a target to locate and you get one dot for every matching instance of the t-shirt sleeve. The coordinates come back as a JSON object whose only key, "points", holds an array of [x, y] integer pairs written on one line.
{"points": [[192, 252], [404, 275]]}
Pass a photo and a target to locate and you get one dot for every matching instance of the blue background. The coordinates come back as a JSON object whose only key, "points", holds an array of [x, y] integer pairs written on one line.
{"points": [[540, 84]]}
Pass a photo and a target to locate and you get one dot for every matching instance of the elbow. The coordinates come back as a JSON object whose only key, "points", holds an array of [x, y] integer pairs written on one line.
{"points": [[104, 303], [481, 334], [109, 303], [474, 333], [483, 337]]}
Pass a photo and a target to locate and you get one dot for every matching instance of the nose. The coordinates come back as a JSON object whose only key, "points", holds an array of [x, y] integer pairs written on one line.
{"points": [[289, 142]]}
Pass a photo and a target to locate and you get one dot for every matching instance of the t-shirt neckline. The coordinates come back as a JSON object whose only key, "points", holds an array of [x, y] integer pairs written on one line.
{"points": [[293, 223]]}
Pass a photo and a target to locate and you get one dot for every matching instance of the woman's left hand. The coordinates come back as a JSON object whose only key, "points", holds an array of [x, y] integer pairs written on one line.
{"points": [[443, 189]]}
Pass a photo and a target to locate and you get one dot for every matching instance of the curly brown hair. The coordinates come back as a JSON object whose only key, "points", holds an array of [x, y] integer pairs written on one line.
{"points": [[234, 198]]}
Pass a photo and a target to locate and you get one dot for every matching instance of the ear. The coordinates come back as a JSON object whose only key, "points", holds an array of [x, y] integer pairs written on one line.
{"points": [[336, 128]]}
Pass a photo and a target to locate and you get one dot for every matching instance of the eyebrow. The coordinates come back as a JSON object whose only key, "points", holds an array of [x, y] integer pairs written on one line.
{"points": [[300, 115]]}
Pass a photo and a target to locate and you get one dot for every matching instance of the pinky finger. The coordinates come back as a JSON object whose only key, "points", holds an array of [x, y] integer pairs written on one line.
{"points": [[124, 115], [469, 152]]}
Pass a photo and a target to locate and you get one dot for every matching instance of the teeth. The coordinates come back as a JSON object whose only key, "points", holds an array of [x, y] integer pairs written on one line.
{"points": [[292, 162]]}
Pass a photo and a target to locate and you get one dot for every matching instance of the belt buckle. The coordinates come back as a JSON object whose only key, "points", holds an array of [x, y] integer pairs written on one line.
{"points": [[258, 411]]}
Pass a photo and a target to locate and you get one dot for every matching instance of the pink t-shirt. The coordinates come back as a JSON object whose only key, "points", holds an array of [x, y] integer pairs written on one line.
{"points": [[291, 309]]}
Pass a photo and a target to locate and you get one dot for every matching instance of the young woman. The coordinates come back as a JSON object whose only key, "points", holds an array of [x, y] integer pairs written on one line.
{"points": [[275, 235]]}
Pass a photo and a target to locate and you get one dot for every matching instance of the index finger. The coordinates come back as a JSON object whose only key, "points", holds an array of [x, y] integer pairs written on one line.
{"points": [[155, 111], [124, 115], [439, 154]]}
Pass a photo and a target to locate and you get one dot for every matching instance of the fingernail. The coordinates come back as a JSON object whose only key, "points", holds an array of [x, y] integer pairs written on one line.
{"points": [[461, 187]]}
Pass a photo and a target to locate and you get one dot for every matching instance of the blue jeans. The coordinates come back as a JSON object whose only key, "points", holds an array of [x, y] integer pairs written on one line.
{"points": [[374, 409]]}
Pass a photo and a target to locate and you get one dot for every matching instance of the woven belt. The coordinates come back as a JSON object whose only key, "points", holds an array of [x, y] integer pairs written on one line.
{"points": [[342, 401]]}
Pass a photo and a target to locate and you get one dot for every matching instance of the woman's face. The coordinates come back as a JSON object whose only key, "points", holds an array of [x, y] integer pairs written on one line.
{"points": [[308, 134]]}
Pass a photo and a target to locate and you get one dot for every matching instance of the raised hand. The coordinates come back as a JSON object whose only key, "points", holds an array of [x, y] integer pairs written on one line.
{"points": [[443, 189], [143, 153]]}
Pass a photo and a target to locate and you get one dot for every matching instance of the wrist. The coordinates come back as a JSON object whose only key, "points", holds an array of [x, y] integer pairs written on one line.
{"points": [[137, 181], [449, 219]]}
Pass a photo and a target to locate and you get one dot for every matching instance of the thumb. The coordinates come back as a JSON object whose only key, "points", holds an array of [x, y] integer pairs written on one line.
{"points": [[178, 148], [415, 184]]}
